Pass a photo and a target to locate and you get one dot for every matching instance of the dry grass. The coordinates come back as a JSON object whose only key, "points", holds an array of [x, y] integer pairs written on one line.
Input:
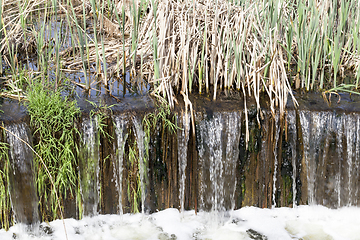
{"points": [[206, 46]]}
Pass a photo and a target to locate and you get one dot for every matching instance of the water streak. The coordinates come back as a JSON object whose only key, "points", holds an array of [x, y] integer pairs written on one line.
{"points": [[291, 120], [352, 133], [182, 138], [89, 168], [357, 164], [218, 146], [232, 123], [313, 125], [331, 150], [141, 141], [121, 137], [275, 152], [22, 175], [339, 150]]}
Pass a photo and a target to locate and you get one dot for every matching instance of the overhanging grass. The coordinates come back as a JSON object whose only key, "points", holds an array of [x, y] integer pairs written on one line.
{"points": [[6, 216], [179, 47], [52, 118]]}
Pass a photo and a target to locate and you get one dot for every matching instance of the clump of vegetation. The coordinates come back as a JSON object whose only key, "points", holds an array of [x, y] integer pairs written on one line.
{"points": [[135, 186], [163, 115], [5, 205], [185, 46], [52, 118]]}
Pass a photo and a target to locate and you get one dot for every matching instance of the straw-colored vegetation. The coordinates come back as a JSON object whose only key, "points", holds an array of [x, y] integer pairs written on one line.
{"points": [[178, 47]]}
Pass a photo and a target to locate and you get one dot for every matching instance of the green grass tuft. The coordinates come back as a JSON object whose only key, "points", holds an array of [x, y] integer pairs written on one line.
{"points": [[52, 119]]}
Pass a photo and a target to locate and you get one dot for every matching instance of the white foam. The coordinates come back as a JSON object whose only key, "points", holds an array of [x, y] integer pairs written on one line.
{"points": [[304, 222]]}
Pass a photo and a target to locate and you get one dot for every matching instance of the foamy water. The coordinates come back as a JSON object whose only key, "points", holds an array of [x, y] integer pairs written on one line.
{"points": [[304, 222]]}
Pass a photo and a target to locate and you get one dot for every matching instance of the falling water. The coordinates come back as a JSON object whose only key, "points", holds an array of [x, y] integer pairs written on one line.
{"points": [[347, 138], [210, 158], [323, 149], [306, 138], [357, 160], [275, 151], [313, 125], [89, 168], [22, 180], [183, 138], [141, 141], [292, 134], [121, 136], [218, 145], [232, 123], [339, 151], [350, 129], [331, 149]]}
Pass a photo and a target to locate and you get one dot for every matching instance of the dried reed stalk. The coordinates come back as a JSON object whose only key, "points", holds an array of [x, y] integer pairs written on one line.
{"points": [[195, 45]]}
